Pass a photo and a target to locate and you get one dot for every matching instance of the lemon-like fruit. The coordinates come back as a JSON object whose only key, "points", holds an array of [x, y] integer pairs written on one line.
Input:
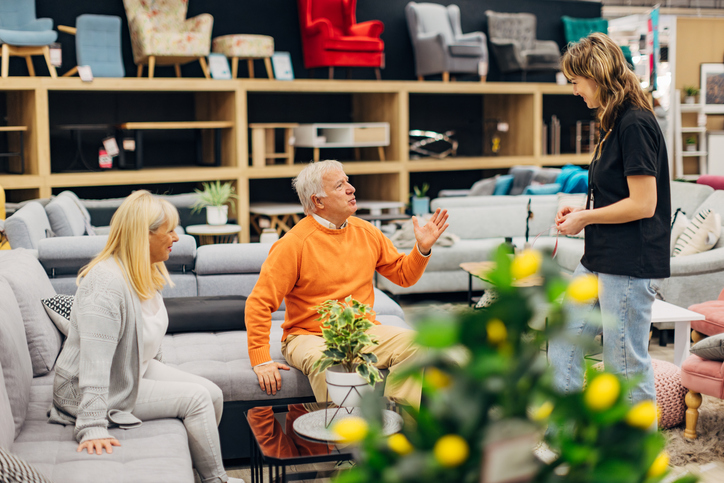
{"points": [[642, 415], [400, 444], [437, 378], [526, 264], [451, 451], [583, 289], [543, 411], [497, 333], [351, 430], [602, 393], [659, 466]]}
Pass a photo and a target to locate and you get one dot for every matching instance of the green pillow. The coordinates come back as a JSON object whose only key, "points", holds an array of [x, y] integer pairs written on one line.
{"points": [[711, 348]]}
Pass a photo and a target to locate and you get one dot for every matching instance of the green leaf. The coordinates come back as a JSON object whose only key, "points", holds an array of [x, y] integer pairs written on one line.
{"points": [[437, 334]]}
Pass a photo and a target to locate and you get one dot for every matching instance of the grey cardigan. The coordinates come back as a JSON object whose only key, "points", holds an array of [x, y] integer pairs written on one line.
{"points": [[98, 371]]}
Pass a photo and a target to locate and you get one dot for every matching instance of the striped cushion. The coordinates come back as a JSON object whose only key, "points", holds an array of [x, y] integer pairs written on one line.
{"points": [[15, 470], [700, 235]]}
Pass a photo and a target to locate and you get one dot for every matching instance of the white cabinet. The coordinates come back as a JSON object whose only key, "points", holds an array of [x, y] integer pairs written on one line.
{"points": [[343, 135]]}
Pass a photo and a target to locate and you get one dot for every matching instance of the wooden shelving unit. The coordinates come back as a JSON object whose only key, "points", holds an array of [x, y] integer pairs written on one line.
{"points": [[225, 104]]}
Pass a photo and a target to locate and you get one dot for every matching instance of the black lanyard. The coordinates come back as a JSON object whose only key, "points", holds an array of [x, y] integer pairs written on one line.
{"points": [[594, 162]]}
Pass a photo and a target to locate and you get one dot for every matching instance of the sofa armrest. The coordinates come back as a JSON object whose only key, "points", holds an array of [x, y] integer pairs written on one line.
{"points": [[203, 23], [205, 314], [371, 28], [320, 26], [508, 54], [698, 263], [453, 193]]}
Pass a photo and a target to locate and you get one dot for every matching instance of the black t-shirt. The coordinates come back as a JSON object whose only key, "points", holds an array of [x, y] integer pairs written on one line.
{"points": [[639, 248]]}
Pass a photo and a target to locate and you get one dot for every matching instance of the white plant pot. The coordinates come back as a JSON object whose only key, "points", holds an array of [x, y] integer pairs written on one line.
{"points": [[346, 388], [268, 235], [689, 100], [217, 215], [691, 147]]}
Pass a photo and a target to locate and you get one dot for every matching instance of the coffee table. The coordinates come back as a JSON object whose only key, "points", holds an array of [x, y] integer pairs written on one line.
{"points": [[210, 234], [681, 317], [275, 444]]}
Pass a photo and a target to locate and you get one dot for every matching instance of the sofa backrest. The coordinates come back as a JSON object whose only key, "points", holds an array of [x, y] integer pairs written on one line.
{"points": [[688, 196], [231, 269], [27, 226], [65, 217], [427, 18], [7, 425]]}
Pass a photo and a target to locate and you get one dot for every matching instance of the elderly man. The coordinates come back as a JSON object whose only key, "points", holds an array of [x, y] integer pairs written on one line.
{"points": [[331, 254]]}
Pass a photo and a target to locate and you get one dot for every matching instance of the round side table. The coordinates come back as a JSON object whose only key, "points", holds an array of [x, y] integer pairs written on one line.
{"points": [[210, 234]]}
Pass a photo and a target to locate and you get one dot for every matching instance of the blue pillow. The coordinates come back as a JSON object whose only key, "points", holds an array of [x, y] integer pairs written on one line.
{"points": [[542, 189], [503, 185], [576, 183]]}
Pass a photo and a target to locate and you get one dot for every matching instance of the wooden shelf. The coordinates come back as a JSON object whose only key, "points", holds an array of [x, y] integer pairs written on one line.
{"points": [[114, 177], [20, 181], [350, 167]]}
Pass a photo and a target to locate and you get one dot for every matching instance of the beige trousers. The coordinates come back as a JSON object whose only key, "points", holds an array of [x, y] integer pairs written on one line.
{"points": [[396, 346]]}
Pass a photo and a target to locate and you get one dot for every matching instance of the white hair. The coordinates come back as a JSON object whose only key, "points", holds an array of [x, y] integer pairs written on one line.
{"points": [[309, 182]]}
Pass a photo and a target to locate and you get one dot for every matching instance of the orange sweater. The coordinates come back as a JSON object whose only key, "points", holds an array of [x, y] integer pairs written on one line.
{"points": [[312, 264]]}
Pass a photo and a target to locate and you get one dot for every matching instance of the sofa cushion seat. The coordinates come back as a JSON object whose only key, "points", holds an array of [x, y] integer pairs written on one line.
{"points": [[157, 448], [700, 375], [713, 310]]}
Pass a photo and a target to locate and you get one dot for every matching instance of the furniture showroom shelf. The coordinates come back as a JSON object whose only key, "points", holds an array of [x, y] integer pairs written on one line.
{"points": [[689, 154], [227, 105], [693, 129]]}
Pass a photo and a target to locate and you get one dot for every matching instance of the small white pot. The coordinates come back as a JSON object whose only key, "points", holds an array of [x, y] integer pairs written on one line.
{"points": [[691, 147], [689, 100], [268, 235], [217, 215], [346, 388]]}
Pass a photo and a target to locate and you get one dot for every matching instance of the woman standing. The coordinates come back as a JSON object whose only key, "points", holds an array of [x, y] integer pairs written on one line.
{"points": [[109, 372], [627, 219]]}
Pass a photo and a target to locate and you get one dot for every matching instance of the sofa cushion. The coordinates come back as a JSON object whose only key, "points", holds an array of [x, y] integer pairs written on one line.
{"points": [[522, 177], [66, 219], [700, 235], [183, 255], [66, 255], [27, 226], [14, 357], [701, 375], [78, 203], [13, 468], [713, 324], [30, 285], [503, 185], [7, 425], [484, 187], [231, 258], [679, 222], [689, 196], [205, 314], [58, 309], [711, 348]]}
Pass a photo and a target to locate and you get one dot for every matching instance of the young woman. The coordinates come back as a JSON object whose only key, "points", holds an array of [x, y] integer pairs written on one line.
{"points": [[626, 219], [109, 372]]}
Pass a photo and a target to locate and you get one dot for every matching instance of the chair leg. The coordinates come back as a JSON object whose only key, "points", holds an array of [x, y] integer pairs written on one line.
{"points": [[693, 401], [420, 78], [177, 69], [29, 63], [268, 66], [250, 66], [71, 72], [331, 72], [51, 67], [483, 78], [151, 66], [139, 70], [446, 76], [204, 67], [5, 60], [234, 67], [378, 73]]}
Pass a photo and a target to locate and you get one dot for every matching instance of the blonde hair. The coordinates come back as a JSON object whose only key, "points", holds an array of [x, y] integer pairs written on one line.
{"points": [[309, 182], [599, 58], [139, 215]]}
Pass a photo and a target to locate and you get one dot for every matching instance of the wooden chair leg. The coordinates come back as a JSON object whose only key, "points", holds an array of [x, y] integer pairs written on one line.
{"points": [[139, 70], [316, 154], [693, 401], [5, 60], [446, 76], [177, 68], [234, 67], [331, 72], [205, 67], [381, 153], [268, 66], [29, 63], [483, 78], [250, 65], [420, 78], [151, 66], [378, 73], [51, 67], [697, 336], [71, 72]]}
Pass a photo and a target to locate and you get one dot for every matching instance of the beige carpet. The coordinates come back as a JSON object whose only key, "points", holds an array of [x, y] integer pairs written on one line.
{"points": [[709, 446]]}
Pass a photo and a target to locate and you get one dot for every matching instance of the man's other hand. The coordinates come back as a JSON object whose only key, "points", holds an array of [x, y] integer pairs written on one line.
{"points": [[270, 380]]}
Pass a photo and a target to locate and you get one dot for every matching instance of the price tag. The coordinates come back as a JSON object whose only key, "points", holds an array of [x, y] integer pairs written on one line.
{"points": [[85, 73], [104, 160], [111, 146], [129, 144], [56, 54]]}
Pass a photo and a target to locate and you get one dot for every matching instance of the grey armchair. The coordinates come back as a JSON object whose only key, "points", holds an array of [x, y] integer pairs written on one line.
{"points": [[513, 42], [439, 44]]}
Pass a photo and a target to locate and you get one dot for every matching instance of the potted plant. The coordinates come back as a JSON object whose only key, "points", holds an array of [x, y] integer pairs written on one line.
{"points": [[691, 143], [350, 370], [215, 198], [420, 200], [690, 93]]}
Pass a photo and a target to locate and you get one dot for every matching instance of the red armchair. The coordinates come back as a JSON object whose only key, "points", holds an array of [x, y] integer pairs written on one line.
{"points": [[331, 36]]}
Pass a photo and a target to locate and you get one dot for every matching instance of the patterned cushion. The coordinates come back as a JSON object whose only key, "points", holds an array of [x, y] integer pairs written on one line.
{"points": [[58, 309], [15, 470], [245, 46], [700, 235], [679, 222], [711, 348]]}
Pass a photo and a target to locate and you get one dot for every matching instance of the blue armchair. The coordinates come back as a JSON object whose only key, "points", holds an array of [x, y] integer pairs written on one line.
{"points": [[97, 44], [24, 35]]}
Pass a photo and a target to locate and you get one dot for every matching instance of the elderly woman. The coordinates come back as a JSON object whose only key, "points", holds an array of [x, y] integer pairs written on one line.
{"points": [[109, 372]]}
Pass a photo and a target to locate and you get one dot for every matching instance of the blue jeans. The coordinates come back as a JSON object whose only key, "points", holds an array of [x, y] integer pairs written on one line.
{"points": [[625, 304]]}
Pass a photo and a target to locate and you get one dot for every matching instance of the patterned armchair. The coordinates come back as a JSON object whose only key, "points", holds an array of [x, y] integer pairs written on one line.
{"points": [[162, 35], [513, 42]]}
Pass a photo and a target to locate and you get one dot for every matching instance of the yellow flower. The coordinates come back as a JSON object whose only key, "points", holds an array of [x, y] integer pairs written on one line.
{"points": [[659, 466], [642, 415], [525, 264], [583, 289], [351, 430], [437, 378], [451, 450], [497, 333], [602, 393], [543, 411], [399, 444]]}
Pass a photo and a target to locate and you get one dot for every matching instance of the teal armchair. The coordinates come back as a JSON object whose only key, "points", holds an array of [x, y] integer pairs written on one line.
{"points": [[24, 35]]}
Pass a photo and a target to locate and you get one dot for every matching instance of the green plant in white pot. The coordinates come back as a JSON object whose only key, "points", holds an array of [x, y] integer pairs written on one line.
{"points": [[215, 198], [420, 200], [691, 143], [690, 93], [349, 364]]}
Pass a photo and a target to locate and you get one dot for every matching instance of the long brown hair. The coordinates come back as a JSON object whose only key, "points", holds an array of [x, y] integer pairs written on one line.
{"points": [[599, 58]]}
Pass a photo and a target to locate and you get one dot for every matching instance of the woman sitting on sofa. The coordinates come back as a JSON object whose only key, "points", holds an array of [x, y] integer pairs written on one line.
{"points": [[109, 372]]}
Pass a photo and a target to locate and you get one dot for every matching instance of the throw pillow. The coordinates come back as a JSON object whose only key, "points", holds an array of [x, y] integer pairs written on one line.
{"points": [[15, 470], [484, 187], [574, 201], [58, 308], [711, 348], [700, 235], [542, 189], [679, 222], [503, 185]]}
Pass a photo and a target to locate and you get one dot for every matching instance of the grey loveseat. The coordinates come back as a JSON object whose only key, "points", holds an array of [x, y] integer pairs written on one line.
{"points": [[158, 450]]}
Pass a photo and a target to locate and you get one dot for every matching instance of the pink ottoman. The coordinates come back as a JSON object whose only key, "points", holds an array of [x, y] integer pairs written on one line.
{"points": [[670, 393]]}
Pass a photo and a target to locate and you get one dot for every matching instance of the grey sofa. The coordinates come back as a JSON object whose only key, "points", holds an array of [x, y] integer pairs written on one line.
{"points": [[158, 450], [439, 44]]}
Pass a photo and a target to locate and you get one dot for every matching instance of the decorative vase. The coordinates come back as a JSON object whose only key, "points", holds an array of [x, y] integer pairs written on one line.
{"points": [[217, 215], [691, 147], [268, 235], [346, 388], [420, 206], [689, 100]]}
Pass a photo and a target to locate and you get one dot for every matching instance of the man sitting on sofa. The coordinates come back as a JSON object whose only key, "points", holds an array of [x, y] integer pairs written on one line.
{"points": [[330, 255]]}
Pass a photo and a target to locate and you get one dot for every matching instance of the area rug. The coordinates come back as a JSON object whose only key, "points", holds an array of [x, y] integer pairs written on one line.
{"points": [[708, 446]]}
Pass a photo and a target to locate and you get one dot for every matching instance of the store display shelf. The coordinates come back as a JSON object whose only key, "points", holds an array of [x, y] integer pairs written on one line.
{"points": [[147, 175], [465, 163], [25, 181], [350, 167]]}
